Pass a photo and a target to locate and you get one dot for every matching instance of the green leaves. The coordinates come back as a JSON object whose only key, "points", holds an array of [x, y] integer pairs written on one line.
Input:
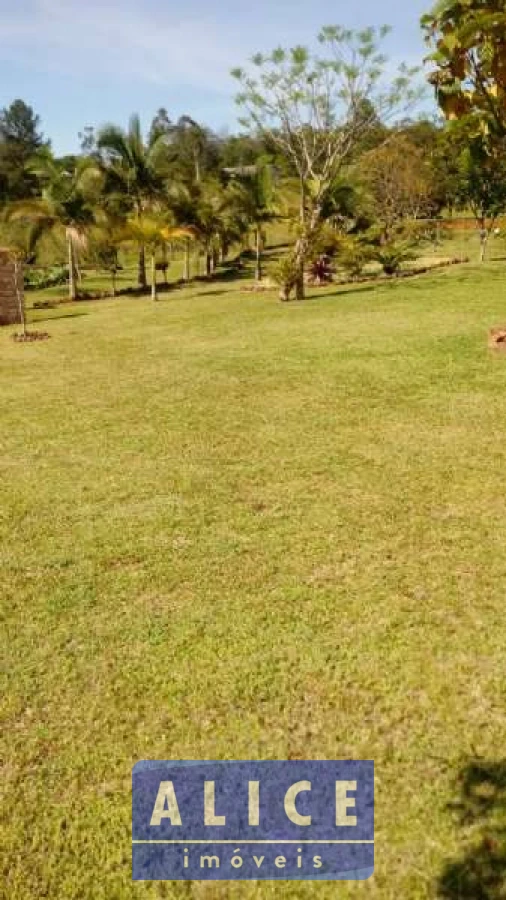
{"points": [[469, 41], [299, 56], [449, 43], [278, 56], [132, 166], [335, 34]]}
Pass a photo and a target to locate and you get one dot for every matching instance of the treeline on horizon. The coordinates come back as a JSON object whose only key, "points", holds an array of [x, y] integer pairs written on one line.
{"points": [[194, 152], [332, 144]]}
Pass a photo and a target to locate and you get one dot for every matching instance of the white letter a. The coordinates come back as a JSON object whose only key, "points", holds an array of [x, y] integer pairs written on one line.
{"points": [[167, 793]]}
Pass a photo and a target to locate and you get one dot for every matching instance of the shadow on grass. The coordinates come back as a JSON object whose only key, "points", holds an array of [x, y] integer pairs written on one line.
{"points": [[69, 315], [480, 873], [218, 293], [232, 273], [348, 291], [312, 293], [226, 274]]}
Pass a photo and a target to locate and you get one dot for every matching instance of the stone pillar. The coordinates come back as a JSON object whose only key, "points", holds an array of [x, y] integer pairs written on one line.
{"points": [[11, 290]]}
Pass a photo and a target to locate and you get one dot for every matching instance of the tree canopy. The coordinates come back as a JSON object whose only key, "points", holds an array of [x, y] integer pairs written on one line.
{"points": [[20, 139], [468, 43]]}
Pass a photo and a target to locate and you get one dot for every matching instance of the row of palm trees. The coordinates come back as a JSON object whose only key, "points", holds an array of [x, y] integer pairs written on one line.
{"points": [[126, 193]]}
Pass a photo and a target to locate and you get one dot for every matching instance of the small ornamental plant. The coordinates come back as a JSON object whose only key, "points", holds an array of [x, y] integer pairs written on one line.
{"points": [[286, 275]]}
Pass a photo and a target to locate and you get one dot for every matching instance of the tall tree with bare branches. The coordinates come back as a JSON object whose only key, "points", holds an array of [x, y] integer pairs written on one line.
{"points": [[316, 108]]}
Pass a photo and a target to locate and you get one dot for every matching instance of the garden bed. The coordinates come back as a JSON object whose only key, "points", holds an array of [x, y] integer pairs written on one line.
{"points": [[381, 277], [30, 337]]}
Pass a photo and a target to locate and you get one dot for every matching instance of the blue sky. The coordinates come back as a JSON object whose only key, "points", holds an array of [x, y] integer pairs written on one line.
{"points": [[86, 62]]}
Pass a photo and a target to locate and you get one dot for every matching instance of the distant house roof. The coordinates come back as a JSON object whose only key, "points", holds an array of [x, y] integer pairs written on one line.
{"points": [[241, 171]]}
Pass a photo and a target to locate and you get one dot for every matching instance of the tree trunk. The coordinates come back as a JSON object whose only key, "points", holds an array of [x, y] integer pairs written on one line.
{"points": [[301, 249], [186, 273], [483, 240], [154, 294], [302, 201], [143, 283], [303, 244], [77, 267], [300, 287], [209, 263], [19, 296], [165, 261], [258, 247], [72, 273]]}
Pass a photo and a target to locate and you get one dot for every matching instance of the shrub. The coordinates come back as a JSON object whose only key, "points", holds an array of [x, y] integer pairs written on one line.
{"points": [[39, 279], [286, 274], [326, 243], [44, 304], [354, 254], [320, 271], [393, 254]]}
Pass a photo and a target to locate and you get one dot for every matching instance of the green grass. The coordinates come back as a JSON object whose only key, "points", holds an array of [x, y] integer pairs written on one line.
{"points": [[234, 528]]}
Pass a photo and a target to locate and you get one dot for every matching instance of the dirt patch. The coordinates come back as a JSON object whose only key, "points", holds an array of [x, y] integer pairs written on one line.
{"points": [[497, 338]]}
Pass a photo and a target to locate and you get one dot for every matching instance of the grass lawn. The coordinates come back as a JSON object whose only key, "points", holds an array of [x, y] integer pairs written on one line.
{"points": [[234, 528]]}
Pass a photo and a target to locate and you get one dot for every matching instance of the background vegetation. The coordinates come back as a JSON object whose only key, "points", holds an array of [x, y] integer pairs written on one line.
{"points": [[340, 167]]}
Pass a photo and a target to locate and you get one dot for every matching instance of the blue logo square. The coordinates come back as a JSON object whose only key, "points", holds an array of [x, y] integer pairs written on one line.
{"points": [[251, 820]]}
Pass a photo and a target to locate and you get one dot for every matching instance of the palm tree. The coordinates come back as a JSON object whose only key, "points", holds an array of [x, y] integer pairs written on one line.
{"points": [[104, 242], [212, 214], [189, 141], [134, 169], [184, 236], [65, 205], [210, 209], [254, 196], [154, 233], [183, 205]]}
